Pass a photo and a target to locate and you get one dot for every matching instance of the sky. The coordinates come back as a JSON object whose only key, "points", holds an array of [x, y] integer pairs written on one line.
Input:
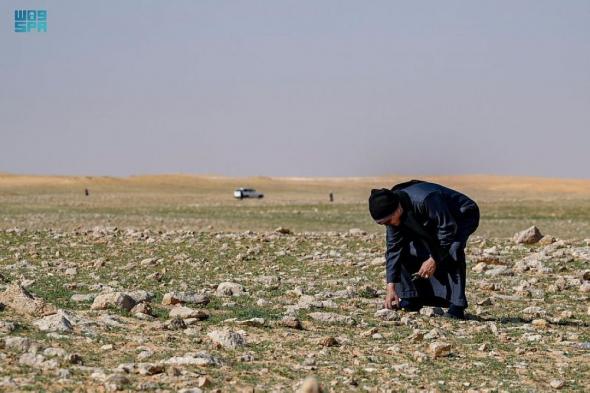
{"points": [[297, 88]]}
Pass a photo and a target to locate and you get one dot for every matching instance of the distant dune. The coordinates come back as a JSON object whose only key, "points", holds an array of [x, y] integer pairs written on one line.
{"points": [[479, 184]]}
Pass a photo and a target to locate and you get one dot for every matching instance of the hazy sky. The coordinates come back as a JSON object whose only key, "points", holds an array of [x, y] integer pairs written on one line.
{"points": [[297, 88]]}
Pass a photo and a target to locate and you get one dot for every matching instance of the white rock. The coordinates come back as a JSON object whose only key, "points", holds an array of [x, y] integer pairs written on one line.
{"points": [[187, 312], [185, 298], [387, 314], [113, 299], [528, 236], [197, 359], [229, 289], [58, 322], [227, 338], [439, 349], [330, 317], [431, 311]]}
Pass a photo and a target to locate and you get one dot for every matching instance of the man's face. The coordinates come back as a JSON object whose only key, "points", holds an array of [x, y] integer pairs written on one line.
{"points": [[394, 219]]}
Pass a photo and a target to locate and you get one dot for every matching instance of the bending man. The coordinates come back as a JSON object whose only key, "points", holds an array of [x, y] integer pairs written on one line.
{"points": [[427, 227]]}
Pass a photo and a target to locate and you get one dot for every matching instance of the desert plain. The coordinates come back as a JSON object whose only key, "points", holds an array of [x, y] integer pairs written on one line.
{"points": [[169, 284]]}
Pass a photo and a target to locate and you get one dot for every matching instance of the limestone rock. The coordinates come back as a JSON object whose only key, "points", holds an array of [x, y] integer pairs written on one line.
{"points": [[113, 299], [439, 349], [227, 339], [187, 312], [291, 322], [171, 298], [310, 385], [229, 289], [21, 301], [196, 359], [141, 296], [330, 317], [528, 236], [58, 322], [83, 297], [431, 311], [387, 314]]}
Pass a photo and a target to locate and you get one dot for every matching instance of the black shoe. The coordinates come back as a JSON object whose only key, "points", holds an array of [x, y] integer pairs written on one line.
{"points": [[409, 305], [455, 312]]}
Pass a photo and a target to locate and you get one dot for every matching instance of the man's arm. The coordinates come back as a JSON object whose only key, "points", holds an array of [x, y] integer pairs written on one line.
{"points": [[446, 226], [394, 243]]}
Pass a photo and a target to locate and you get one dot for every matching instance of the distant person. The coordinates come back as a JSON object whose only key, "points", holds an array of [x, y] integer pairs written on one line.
{"points": [[86, 192], [427, 227], [331, 197]]}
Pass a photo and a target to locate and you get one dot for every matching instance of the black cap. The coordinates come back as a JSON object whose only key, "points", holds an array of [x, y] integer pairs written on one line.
{"points": [[382, 203]]}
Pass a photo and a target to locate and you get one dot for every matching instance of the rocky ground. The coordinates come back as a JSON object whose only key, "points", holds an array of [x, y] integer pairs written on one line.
{"points": [[110, 309]]}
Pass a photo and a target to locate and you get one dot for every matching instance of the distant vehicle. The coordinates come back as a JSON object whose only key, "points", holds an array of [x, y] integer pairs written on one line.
{"points": [[242, 193]]}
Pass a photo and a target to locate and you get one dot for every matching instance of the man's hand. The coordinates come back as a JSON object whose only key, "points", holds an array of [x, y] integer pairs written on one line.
{"points": [[428, 268], [391, 299]]}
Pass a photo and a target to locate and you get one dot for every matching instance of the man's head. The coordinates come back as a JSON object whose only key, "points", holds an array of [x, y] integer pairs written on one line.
{"points": [[385, 207]]}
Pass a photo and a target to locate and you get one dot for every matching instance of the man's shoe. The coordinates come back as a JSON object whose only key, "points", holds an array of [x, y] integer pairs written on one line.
{"points": [[455, 312], [409, 305]]}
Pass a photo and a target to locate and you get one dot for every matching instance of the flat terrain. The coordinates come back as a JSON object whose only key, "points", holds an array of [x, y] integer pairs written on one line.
{"points": [[166, 283]]}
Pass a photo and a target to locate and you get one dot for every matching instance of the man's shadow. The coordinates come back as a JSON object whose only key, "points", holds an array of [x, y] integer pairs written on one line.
{"points": [[523, 321]]}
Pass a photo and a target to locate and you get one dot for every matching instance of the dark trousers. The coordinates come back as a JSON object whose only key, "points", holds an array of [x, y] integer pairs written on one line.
{"points": [[447, 285]]}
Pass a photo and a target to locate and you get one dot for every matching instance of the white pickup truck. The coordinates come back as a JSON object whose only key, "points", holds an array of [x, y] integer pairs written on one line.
{"points": [[242, 193]]}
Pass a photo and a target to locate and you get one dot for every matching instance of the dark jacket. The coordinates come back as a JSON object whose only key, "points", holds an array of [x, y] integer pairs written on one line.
{"points": [[431, 215]]}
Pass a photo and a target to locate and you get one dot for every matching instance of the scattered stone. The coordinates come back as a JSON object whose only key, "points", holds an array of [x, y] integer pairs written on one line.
{"points": [[7, 327], [416, 336], [22, 302], [149, 368], [329, 342], [557, 383], [72, 271], [433, 334], [439, 349], [431, 311], [229, 289], [330, 317], [148, 262], [175, 324], [204, 381], [485, 302], [58, 322], [19, 344], [528, 236], [142, 308], [545, 240], [539, 323], [420, 357], [187, 312], [172, 298], [190, 390], [310, 385], [255, 322], [113, 299], [291, 322], [387, 315], [534, 311], [227, 339], [115, 382], [196, 359], [270, 282], [499, 270], [283, 231], [141, 296], [83, 297]]}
